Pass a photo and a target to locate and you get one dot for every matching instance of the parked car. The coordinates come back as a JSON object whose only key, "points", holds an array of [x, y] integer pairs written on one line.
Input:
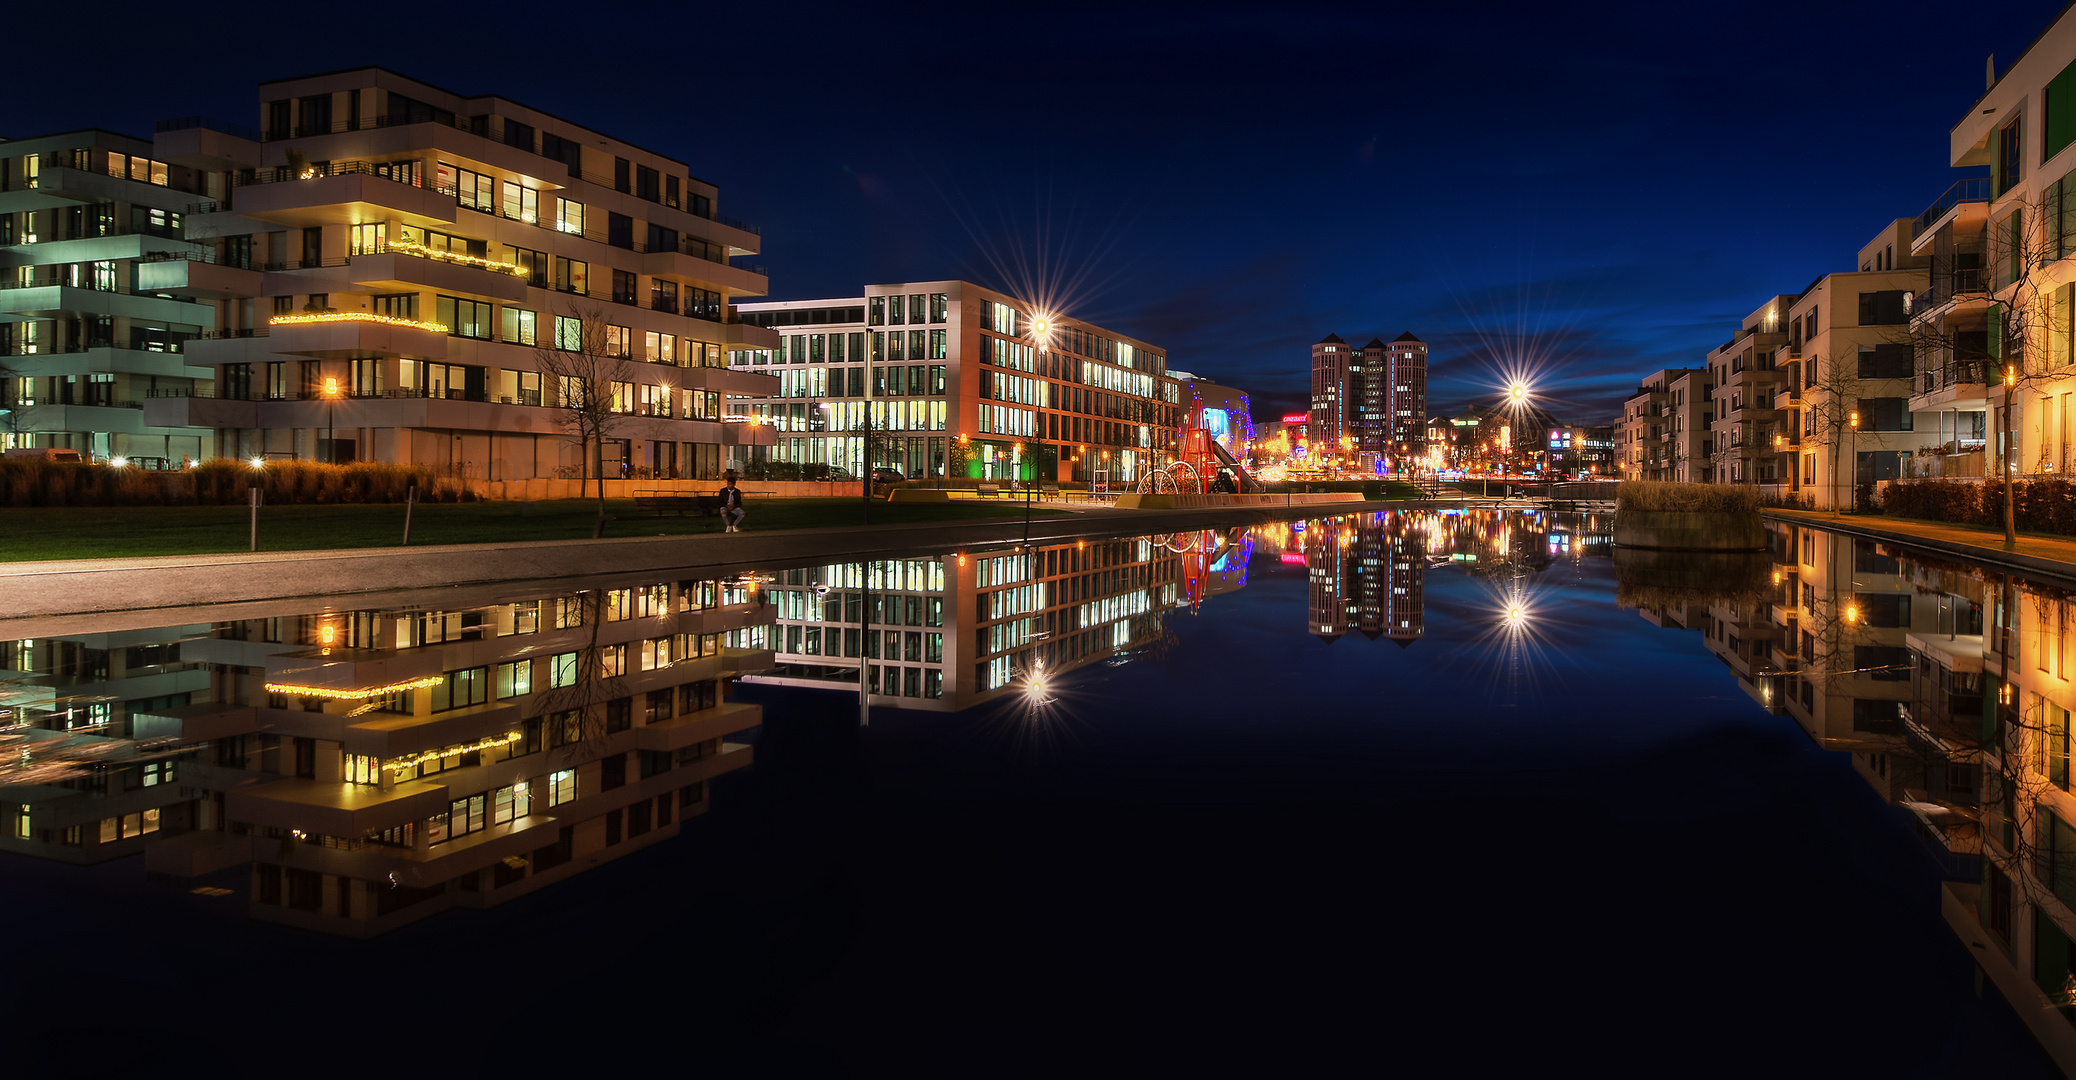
{"points": [[885, 475]]}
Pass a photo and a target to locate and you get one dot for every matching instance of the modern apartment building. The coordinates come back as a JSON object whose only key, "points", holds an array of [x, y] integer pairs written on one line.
{"points": [[89, 220], [964, 381], [1744, 383], [1665, 431], [371, 766], [1851, 334], [382, 270], [1370, 403]]}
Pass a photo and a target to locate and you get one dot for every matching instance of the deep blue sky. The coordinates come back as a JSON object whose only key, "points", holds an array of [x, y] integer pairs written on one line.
{"points": [[1607, 188]]}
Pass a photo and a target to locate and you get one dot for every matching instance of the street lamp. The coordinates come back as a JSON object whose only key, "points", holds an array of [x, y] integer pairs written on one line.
{"points": [[1041, 340], [331, 432], [1852, 421]]}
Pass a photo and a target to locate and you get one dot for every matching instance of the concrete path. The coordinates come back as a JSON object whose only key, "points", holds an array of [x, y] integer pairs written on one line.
{"points": [[61, 587], [2049, 556]]}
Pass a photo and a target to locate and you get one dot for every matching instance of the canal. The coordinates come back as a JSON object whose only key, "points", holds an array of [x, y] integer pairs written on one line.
{"points": [[1467, 792]]}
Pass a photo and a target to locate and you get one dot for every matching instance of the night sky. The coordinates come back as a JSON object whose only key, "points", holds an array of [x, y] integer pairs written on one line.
{"points": [[1596, 191]]}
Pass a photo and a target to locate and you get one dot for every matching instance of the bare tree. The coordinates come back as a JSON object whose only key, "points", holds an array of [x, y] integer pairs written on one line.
{"points": [[2019, 341], [586, 369]]}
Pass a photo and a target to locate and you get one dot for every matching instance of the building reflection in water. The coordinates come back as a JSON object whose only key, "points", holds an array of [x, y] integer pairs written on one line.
{"points": [[361, 766], [1948, 684], [954, 631], [367, 766]]}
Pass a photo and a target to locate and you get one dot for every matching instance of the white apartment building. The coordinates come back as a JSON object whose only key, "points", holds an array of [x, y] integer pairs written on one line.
{"points": [[84, 217], [376, 273]]}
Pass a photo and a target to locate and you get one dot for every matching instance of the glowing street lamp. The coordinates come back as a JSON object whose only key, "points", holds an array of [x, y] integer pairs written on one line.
{"points": [[1041, 341], [331, 431]]}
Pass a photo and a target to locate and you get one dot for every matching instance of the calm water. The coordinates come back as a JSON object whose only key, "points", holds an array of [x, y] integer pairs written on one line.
{"points": [[1429, 790]]}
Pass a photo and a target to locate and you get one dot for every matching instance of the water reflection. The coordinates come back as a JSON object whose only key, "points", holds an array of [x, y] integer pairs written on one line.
{"points": [[354, 766], [358, 768]]}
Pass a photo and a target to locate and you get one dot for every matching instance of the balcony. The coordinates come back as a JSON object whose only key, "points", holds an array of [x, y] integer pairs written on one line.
{"points": [[724, 719], [1973, 193], [198, 278], [341, 193], [742, 335], [704, 273], [1957, 384], [349, 335], [334, 809], [1966, 465], [399, 271]]}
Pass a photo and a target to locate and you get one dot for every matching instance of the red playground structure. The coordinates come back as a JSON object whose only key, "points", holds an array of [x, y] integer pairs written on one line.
{"points": [[1203, 465]]}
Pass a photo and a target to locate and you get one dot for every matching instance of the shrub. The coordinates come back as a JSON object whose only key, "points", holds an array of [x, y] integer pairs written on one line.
{"points": [[2043, 504], [28, 481], [1648, 497]]}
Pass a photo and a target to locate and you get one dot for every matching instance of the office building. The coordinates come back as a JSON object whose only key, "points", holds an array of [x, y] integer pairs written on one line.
{"points": [[960, 386]]}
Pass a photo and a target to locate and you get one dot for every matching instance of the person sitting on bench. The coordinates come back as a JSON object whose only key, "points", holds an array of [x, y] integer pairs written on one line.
{"points": [[731, 503]]}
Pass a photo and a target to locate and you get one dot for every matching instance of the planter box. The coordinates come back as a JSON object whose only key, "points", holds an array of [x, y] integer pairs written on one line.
{"points": [[1681, 531]]}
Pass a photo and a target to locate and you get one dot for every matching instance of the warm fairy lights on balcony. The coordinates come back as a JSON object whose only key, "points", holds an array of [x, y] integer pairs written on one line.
{"points": [[490, 743], [406, 247], [314, 318], [354, 695]]}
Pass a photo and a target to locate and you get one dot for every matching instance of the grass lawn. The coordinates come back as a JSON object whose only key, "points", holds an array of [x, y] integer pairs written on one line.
{"points": [[127, 532]]}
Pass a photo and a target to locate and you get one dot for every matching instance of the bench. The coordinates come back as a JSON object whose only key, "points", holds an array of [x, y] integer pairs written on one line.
{"points": [[706, 505], [1049, 491], [987, 491]]}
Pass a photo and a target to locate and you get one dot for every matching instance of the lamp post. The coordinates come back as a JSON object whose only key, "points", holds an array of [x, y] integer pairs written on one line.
{"points": [[331, 432], [1852, 422], [1041, 340]]}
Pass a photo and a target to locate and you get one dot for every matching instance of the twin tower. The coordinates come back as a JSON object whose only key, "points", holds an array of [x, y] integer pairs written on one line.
{"points": [[1371, 400]]}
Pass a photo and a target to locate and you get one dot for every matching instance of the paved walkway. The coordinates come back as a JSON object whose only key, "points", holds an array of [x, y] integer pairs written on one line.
{"points": [[2053, 556], [65, 587]]}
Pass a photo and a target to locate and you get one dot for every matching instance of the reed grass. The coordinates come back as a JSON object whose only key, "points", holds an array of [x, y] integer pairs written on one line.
{"points": [[1653, 497]]}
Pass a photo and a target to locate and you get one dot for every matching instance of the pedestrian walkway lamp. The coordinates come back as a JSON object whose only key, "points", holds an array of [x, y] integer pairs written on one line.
{"points": [[1041, 341], [331, 431], [1852, 423]]}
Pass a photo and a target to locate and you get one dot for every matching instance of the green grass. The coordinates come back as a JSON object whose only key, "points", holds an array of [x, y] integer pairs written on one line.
{"points": [[103, 532]]}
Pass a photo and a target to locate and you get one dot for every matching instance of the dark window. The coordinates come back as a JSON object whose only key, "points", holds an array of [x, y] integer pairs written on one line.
{"points": [[638, 818], [1886, 362], [1883, 308], [619, 714], [1882, 663], [1884, 414], [612, 772], [662, 239], [619, 230], [646, 183], [564, 150], [403, 110], [612, 826], [277, 120], [519, 135], [317, 115], [623, 287], [700, 205], [1877, 717], [620, 167], [1886, 610]]}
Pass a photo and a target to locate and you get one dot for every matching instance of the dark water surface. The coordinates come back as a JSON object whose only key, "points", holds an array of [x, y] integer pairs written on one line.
{"points": [[1513, 827]]}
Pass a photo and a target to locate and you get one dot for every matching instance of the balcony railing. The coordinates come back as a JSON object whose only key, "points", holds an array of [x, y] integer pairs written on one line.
{"points": [[1954, 373], [1975, 189]]}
